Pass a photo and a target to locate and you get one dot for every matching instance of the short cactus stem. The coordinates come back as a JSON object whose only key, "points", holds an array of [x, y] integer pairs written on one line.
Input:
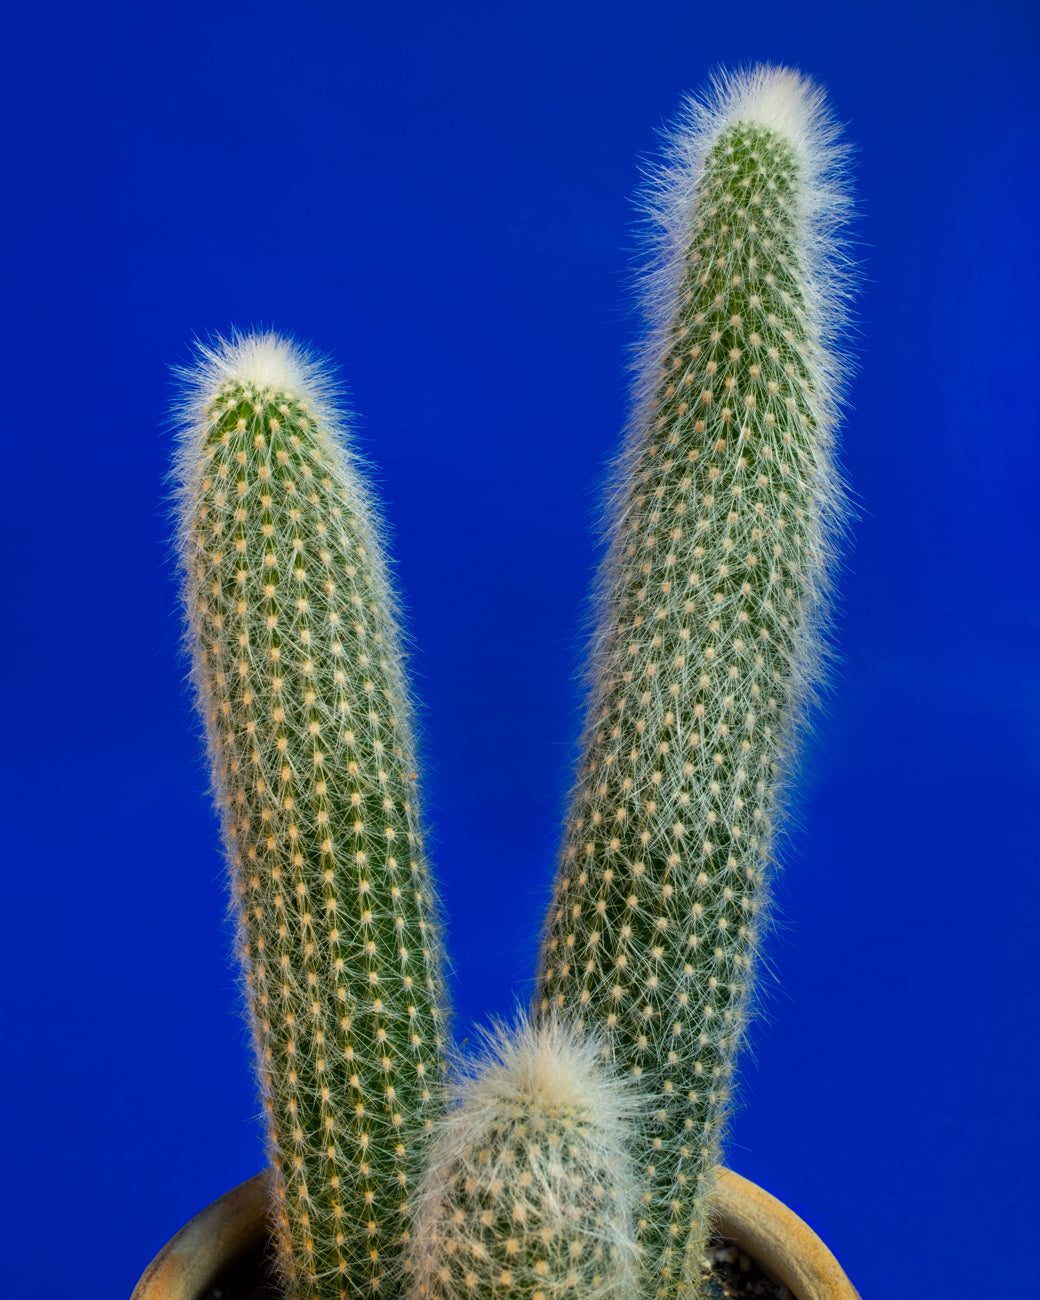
{"points": [[709, 630], [298, 670], [529, 1194]]}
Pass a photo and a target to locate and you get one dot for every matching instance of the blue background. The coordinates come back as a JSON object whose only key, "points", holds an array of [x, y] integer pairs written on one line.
{"points": [[439, 196]]}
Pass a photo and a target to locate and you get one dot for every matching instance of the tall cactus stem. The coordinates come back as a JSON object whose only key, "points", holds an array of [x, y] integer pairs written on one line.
{"points": [[709, 642], [298, 670]]}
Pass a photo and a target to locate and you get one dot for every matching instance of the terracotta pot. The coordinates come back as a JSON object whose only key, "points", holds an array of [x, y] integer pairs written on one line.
{"points": [[779, 1242], [219, 1254]]}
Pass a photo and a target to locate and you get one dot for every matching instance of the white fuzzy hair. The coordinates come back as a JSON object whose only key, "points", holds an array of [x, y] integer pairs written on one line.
{"points": [[544, 1063], [266, 359]]}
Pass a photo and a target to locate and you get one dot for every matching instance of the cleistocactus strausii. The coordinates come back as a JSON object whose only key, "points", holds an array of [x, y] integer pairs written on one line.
{"points": [[529, 1193], [709, 629], [297, 664]]}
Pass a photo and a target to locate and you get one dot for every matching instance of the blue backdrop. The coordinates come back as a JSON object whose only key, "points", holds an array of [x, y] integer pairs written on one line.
{"points": [[439, 196]]}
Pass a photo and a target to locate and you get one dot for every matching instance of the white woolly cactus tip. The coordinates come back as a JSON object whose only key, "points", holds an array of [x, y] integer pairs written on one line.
{"points": [[529, 1192], [261, 360]]}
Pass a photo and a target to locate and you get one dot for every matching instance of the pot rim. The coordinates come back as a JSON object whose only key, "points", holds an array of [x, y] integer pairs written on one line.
{"points": [[235, 1224], [209, 1244], [781, 1243]]}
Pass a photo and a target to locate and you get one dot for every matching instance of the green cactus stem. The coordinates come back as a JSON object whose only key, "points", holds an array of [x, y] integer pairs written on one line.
{"points": [[297, 664], [529, 1194], [709, 631]]}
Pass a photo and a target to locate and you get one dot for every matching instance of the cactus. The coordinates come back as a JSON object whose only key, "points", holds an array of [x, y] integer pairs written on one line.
{"points": [[529, 1193], [297, 665], [708, 645]]}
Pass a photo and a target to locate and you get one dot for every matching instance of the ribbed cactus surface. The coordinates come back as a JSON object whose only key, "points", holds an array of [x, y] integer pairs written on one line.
{"points": [[298, 669], [529, 1194], [706, 646]]}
